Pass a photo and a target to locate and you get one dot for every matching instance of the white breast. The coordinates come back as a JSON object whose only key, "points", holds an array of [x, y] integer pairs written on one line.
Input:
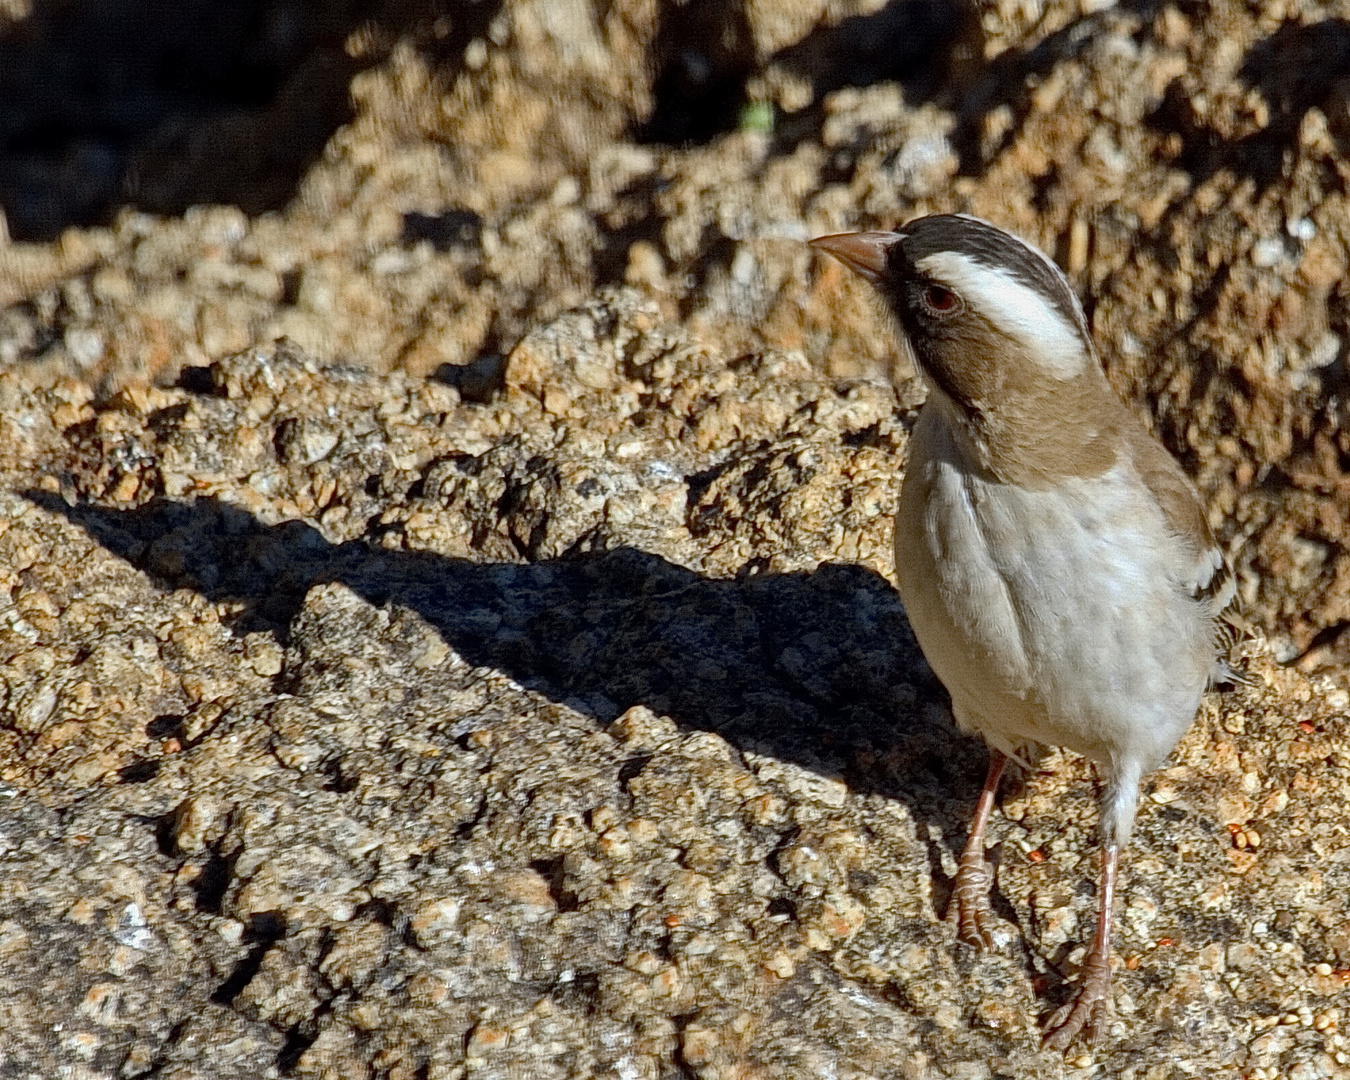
{"points": [[1059, 615]]}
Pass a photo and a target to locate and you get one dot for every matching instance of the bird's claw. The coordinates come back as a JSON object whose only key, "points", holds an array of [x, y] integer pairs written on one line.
{"points": [[970, 901], [1086, 1012]]}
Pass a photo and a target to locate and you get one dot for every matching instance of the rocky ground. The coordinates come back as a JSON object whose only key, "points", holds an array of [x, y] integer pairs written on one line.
{"points": [[445, 617]]}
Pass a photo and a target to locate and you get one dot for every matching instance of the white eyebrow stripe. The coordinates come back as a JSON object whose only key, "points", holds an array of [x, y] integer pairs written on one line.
{"points": [[1013, 307]]}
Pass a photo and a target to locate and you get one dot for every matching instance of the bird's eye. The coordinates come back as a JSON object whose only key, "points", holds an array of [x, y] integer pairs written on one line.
{"points": [[940, 301]]}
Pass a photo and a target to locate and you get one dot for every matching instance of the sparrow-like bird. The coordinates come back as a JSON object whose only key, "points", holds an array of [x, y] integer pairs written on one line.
{"points": [[1054, 560]]}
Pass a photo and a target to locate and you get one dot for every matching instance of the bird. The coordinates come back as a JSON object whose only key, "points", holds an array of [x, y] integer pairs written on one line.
{"points": [[1054, 560]]}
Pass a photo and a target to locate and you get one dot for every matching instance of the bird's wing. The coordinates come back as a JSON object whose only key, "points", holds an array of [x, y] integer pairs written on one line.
{"points": [[1208, 577]]}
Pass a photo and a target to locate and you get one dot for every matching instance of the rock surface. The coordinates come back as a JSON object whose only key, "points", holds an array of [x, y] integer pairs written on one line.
{"points": [[446, 622]]}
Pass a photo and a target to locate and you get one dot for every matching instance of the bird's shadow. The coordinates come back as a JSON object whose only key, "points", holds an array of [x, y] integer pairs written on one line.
{"points": [[817, 668]]}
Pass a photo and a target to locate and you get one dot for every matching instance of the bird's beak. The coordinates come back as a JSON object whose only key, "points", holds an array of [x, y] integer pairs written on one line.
{"points": [[862, 252]]}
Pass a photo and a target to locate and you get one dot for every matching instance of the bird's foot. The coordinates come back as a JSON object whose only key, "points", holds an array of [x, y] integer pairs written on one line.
{"points": [[970, 900], [1089, 1008]]}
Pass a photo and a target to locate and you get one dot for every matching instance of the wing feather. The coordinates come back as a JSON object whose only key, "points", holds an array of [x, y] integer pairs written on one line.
{"points": [[1209, 579]]}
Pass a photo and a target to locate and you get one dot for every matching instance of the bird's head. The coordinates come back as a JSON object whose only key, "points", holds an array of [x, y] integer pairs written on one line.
{"points": [[983, 312], [994, 326]]}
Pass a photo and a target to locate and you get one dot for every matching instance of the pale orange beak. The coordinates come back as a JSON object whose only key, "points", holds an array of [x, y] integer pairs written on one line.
{"points": [[862, 252]]}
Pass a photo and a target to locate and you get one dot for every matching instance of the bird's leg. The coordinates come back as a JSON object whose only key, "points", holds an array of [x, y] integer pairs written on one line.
{"points": [[1090, 1005], [970, 889]]}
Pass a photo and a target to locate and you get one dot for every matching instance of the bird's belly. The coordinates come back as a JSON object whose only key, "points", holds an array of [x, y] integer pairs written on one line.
{"points": [[1049, 618]]}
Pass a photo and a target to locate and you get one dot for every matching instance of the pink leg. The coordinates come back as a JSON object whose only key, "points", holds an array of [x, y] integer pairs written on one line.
{"points": [[970, 889], [1090, 1005]]}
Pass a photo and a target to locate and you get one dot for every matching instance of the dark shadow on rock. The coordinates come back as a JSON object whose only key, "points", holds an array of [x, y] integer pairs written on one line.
{"points": [[166, 104], [482, 378], [704, 56], [921, 43], [1008, 80], [1203, 150], [450, 230], [815, 668], [1297, 68], [634, 217]]}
